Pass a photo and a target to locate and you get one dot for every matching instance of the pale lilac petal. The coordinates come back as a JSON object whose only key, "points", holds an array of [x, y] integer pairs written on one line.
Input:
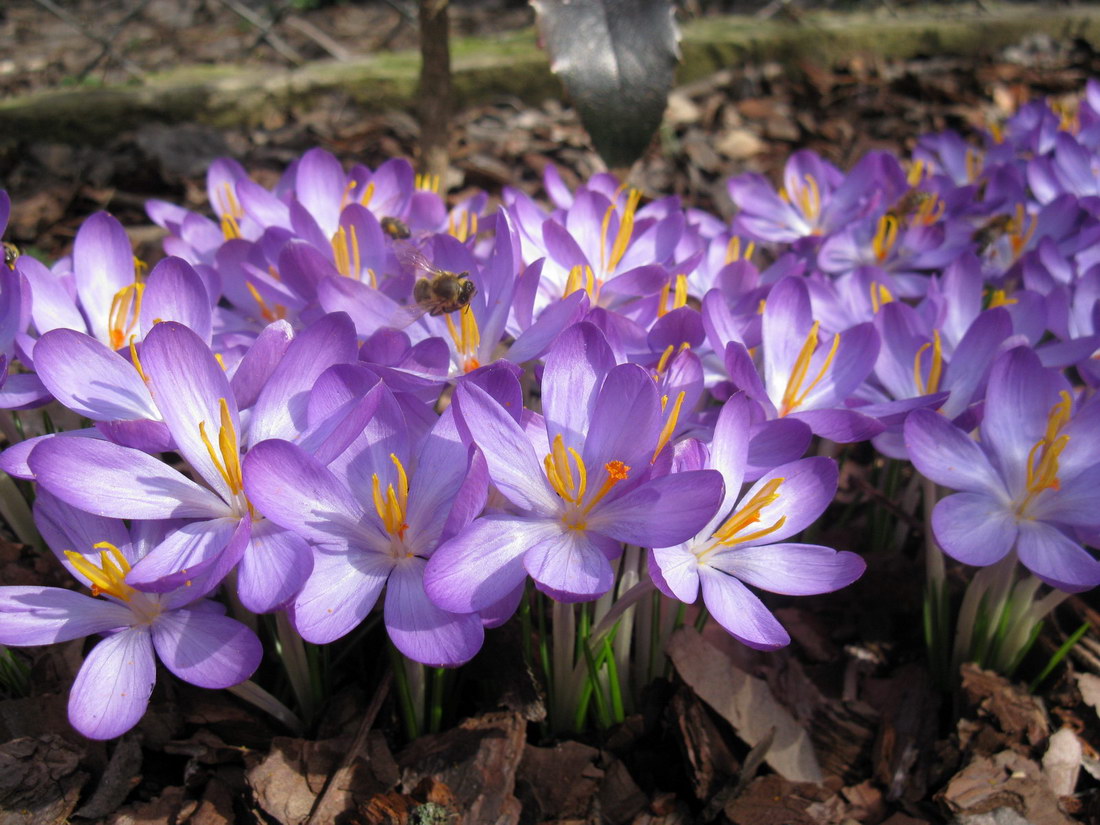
{"points": [[206, 649], [52, 302], [422, 631], [340, 592], [740, 612], [1018, 399], [23, 391], [65, 527], [112, 689], [257, 365], [791, 569], [575, 369], [188, 383], [1055, 558], [974, 528], [661, 512], [841, 426], [44, 615], [175, 292], [320, 188], [119, 482], [729, 449], [471, 571], [513, 466], [281, 411], [90, 378], [103, 263], [13, 460], [679, 571], [184, 557], [298, 492], [568, 566], [948, 456], [808, 486], [626, 421], [274, 567]]}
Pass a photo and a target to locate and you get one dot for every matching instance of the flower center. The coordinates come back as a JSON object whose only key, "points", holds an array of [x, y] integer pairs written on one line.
{"points": [[622, 234], [568, 476], [227, 455], [466, 337], [231, 213], [1042, 460], [935, 368], [886, 235], [393, 504], [734, 252], [679, 295], [880, 296], [728, 534], [345, 252], [807, 198], [462, 226], [109, 577], [794, 396], [122, 318], [582, 277]]}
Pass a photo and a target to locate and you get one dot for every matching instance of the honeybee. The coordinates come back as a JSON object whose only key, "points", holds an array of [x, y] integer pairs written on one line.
{"points": [[989, 232], [909, 203], [395, 228], [441, 293], [11, 254]]}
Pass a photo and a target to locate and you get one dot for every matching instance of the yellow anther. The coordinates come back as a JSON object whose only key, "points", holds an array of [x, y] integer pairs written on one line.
{"points": [[931, 209], [466, 337], [568, 478], [430, 183], [734, 252], [122, 318], [227, 456], [670, 422], [915, 176], [266, 311], [465, 227], [1042, 460], [608, 262], [935, 369], [220, 360], [135, 360], [886, 235], [580, 277], [730, 534], [392, 505], [140, 268], [809, 198], [345, 252], [109, 577], [368, 194], [230, 212], [794, 396], [999, 298], [1022, 230], [880, 296]]}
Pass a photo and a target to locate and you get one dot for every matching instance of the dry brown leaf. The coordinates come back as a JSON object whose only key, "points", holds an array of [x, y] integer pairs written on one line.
{"points": [[746, 703], [1005, 780], [40, 780]]}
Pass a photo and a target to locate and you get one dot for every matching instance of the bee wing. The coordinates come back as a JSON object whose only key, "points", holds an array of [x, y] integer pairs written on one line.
{"points": [[407, 315], [411, 257]]}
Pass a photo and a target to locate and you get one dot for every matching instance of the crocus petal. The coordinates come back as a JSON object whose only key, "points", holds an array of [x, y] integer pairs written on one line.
{"points": [[175, 292], [662, 512], [44, 615], [471, 571], [791, 569], [281, 411], [183, 555], [206, 649], [189, 384], [298, 492], [119, 482], [273, 568], [974, 528], [948, 456], [1019, 397], [65, 527], [340, 592], [103, 263], [90, 378], [679, 572], [1055, 558], [112, 689], [729, 449], [841, 426], [513, 467], [421, 630], [259, 362], [626, 420], [740, 612], [569, 567], [575, 369]]}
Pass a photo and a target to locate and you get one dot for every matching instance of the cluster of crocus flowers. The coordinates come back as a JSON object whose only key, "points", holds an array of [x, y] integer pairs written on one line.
{"points": [[277, 414]]}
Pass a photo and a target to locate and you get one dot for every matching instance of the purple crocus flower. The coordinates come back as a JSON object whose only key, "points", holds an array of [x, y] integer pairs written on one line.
{"points": [[375, 517], [742, 543], [591, 490], [189, 635], [1034, 473], [804, 377]]}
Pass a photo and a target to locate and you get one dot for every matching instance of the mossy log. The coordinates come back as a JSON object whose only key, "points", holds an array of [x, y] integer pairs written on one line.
{"points": [[512, 64]]}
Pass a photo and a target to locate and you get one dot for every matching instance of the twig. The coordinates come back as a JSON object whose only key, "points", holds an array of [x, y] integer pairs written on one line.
{"points": [[108, 48], [319, 37], [273, 40], [63, 15], [341, 776]]}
